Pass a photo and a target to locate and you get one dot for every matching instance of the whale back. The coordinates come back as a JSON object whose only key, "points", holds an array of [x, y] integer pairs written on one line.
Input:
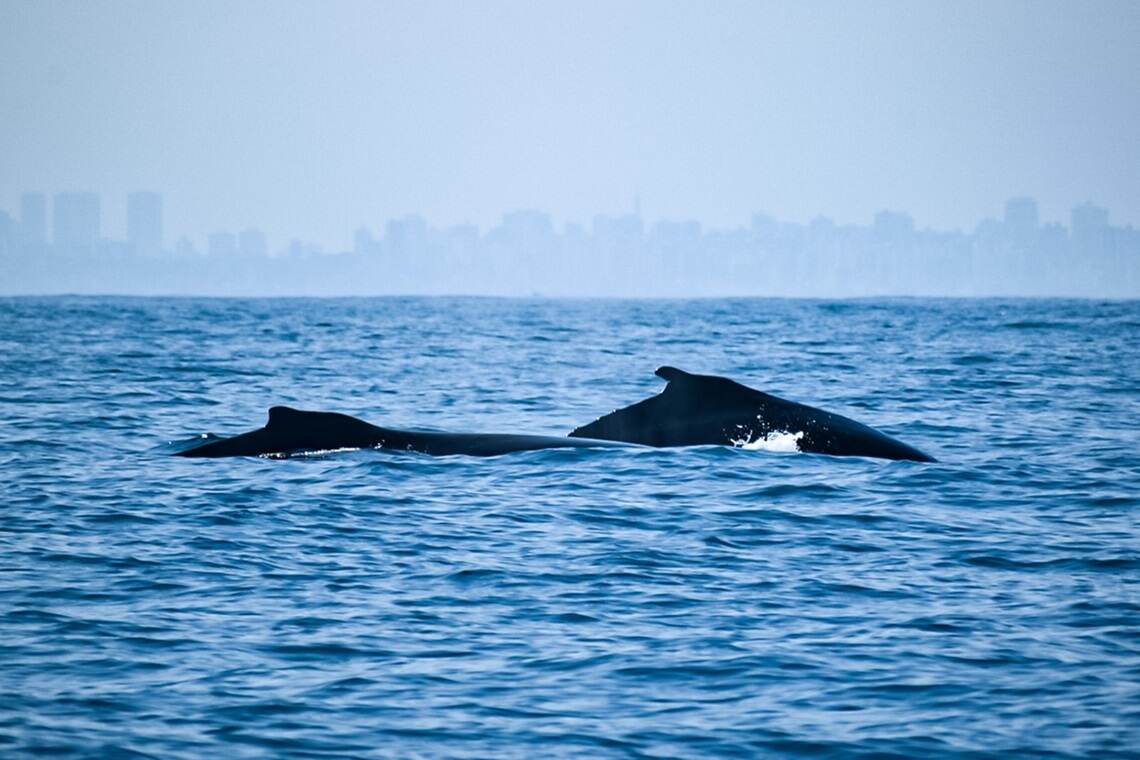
{"points": [[692, 410], [696, 410], [295, 430], [315, 431], [292, 430]]}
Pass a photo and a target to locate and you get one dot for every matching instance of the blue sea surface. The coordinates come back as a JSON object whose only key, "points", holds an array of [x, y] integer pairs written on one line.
{"points": [[702, 602]]}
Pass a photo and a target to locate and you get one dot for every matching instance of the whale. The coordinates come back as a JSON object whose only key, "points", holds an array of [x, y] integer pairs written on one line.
{"points": [[692, 410], [695, 410], [290, 431]]}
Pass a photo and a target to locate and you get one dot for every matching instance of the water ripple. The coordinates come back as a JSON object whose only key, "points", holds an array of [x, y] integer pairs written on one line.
{"points": [[568, 603]]}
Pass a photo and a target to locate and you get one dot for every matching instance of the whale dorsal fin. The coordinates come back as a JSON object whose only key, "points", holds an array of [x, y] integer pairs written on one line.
{"points": [[284, 415], [669, 374], [284, 419], [686, 382]]}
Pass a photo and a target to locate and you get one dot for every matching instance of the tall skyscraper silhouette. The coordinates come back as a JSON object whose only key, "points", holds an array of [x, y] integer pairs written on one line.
{"points": [[1090, 229], [1021, 221], [144, 222]]}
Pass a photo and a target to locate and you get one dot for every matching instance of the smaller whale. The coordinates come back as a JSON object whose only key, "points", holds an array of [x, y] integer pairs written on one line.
{"points": [[292, 430]]}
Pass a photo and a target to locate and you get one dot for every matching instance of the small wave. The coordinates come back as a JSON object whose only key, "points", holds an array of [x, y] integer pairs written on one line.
{"points": [[969, 360], [1060, 563], [184, 444], [1034, 324], [704, 601]]}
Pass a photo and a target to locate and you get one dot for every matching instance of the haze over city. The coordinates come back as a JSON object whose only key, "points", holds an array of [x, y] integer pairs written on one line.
{"points": [[615, 255], [310, 121]]}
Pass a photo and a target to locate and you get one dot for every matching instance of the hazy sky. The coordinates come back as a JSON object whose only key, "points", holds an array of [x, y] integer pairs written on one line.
{"points": [[307, 119]]}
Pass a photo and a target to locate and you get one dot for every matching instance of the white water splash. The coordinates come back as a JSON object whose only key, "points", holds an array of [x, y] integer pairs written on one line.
{"points": [[316, 453], [777, 440]]}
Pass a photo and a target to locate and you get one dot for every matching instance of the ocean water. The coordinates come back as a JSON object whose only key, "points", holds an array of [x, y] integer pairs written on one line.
{"points": [[703, 602]]}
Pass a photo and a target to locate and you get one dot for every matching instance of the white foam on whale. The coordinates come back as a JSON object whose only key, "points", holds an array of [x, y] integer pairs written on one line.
{"points": [[776, 440]]}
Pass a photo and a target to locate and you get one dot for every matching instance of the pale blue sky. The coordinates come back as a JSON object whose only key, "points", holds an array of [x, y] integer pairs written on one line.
{"points": [[307, 119]]}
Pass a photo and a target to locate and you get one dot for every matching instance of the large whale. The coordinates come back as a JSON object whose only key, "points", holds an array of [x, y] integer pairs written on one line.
{"points": [[705, 409], [693, 410]]}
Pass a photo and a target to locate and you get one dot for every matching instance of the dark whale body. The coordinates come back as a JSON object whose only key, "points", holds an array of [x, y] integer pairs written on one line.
{"points": [[705, 409], [693, 410], [292, 430]]}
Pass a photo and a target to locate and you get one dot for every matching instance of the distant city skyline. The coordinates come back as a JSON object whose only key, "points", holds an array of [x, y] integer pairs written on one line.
{"points": [[305, 118], [526, 252], [77, 219], [115, 213]]}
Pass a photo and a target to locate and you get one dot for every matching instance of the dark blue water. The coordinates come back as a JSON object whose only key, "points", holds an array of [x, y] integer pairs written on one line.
{"points": [[593, 603]]}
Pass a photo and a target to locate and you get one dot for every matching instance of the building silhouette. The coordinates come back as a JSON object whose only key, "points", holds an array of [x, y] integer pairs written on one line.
{"points": [[144, 223], [221, 244], [1090, 230], [893, 227], [1021, 221]]}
